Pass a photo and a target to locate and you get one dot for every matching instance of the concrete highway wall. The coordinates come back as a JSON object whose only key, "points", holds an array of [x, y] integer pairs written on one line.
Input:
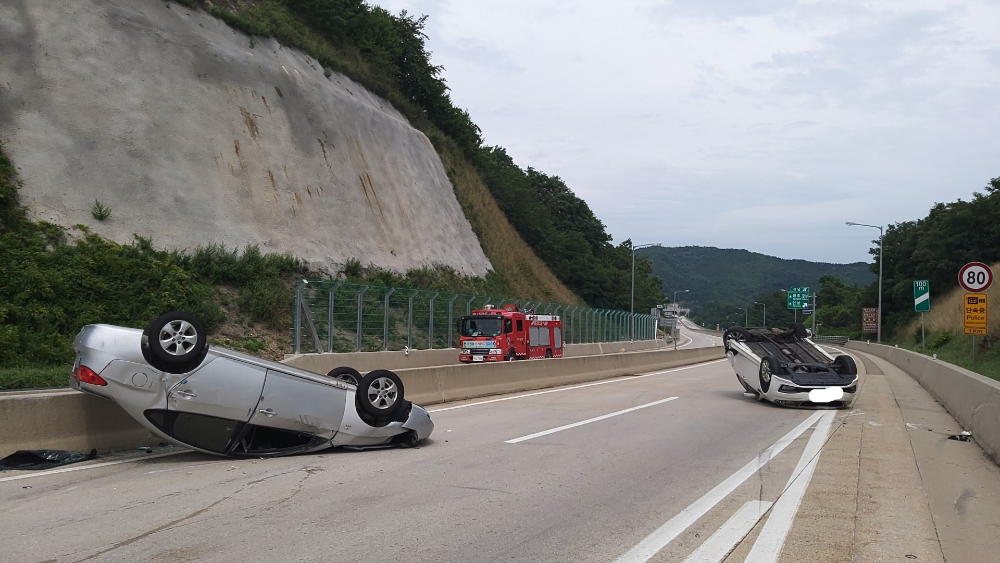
{"points": [[71, 420], [974, 400]]}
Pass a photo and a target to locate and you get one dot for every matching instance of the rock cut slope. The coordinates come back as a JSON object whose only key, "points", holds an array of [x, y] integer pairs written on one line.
{"points": [[192, 134]]}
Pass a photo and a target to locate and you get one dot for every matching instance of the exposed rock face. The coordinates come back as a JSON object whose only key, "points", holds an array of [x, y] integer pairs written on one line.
{"points": [[191, 136]]}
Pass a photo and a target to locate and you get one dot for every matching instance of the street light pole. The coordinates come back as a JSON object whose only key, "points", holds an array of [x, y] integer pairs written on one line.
{"points": [[632, 306], [679, 291], [881, 260], [764, 324]]}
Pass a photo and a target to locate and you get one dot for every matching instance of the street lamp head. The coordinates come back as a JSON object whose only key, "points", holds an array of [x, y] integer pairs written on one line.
{"points": [[851, 224]]}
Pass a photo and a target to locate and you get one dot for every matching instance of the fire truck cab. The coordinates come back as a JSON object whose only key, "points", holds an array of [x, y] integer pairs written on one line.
{"points": [[498, 335]]}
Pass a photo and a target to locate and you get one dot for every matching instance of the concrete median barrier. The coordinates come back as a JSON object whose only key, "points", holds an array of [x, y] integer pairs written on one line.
{"points": [[974, 400], [397, 359], [70, 420], [66, 420]]}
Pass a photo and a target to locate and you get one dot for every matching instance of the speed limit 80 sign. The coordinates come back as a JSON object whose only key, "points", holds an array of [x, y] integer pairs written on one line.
{"points": [[975, 277]]}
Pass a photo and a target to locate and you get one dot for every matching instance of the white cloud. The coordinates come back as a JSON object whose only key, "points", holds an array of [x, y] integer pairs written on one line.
{"points": [[759, 124]]}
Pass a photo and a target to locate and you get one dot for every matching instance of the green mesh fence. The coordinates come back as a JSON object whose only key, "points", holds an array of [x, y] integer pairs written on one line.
{"points": [[338, 316]]}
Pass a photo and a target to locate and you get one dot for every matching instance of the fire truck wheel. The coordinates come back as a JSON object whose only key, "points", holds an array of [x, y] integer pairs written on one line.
{"points": [[511, 356], [548, 353]]}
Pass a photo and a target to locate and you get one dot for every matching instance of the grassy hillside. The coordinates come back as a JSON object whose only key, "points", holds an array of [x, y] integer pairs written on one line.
{"points": [[739, 276], [944, 333]]}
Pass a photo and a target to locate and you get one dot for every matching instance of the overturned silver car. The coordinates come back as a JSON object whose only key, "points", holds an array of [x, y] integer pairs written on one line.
{"points": [[787, 368], [224, 402]]}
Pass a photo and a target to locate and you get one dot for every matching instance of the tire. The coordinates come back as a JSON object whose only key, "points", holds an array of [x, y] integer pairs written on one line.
{"points": [[844, 365], [346, 374], [737, 333], [380, 394], [175, 342], [511, 356], [800, 330], [548, 353], [768, 367]]}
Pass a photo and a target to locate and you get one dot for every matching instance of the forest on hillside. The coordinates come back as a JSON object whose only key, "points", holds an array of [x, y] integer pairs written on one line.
{"points": [[933, 248], [387, 54]]}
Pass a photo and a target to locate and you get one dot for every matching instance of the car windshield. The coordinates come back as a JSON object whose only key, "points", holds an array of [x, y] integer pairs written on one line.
{"points": [[481, 326]]}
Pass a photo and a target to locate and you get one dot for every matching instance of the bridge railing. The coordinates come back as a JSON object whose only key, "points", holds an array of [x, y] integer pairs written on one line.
{"points": [[340, 316]]}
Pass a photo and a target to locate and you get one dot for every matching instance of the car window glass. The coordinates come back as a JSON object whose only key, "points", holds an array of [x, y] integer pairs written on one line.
{"points": [[558, 337], [208, 433], [520, 325], [508, 326]]}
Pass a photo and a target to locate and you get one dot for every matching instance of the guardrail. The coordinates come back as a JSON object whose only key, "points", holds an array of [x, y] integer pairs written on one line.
{"points": [[838, 340], [974, 400], [339, 316]]}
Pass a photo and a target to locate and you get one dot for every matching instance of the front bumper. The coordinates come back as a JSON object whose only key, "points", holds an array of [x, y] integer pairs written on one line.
{"points": [[786, 393]]}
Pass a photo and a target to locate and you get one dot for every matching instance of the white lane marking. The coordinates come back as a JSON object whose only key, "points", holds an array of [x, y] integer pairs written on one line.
{"points": [[654, 542], [605, 382], [717, 547], [588, 421], [779, 522], [92, 466]]}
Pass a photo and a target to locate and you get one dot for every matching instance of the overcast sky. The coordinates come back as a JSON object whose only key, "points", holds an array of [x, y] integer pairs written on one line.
{"points": [[756, 124]]}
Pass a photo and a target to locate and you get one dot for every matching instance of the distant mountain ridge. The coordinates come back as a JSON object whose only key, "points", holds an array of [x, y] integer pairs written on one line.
{"points": [[738, 276]]}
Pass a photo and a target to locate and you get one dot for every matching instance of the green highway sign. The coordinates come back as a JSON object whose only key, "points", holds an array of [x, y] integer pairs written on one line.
{"points": [[921, 296], [798, 297]]}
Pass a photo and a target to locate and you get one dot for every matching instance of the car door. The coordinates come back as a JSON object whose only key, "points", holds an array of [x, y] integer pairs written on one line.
{"points": [[301, 403]]}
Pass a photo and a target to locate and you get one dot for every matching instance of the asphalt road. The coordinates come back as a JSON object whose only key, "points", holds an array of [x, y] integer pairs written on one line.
{"points": [[659, 467]]}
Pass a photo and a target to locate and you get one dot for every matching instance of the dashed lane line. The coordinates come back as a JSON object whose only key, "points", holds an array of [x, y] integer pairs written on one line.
{"points": [[588, 421], [561, 389]]}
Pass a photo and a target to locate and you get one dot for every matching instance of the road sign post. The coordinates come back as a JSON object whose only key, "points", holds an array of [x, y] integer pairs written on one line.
{"points": [[922, 304], [976, 278], [869, 319]]}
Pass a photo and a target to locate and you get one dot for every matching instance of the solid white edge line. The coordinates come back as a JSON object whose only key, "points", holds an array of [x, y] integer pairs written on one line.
{"points": [[588, 421], [605, 382], [91, 466], [718, 546], [654, 542], [771, 540]]}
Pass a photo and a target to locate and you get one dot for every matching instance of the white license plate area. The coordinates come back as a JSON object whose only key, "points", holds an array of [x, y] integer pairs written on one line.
{"points": [[477, 358]]}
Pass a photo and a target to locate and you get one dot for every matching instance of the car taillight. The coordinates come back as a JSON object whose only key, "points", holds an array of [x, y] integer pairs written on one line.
{"points": [[83, 374]]}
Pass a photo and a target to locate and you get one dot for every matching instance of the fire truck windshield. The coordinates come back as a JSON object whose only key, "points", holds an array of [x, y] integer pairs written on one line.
{"points": [[481, 326]]}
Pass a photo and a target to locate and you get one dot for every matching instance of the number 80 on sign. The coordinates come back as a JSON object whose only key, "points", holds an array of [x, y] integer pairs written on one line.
{"points": [[975, 277]]}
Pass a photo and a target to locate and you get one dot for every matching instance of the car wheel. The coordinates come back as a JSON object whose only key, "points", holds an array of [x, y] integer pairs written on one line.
{"points": [[737, 334], [800, 330], [511, 356], [844, 365], [346, 374], [548, 353], [767, 365], [175, 342], [380, 394]]}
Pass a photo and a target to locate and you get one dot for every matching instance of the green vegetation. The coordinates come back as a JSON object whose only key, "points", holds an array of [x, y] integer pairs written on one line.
{"points": [[934, 248], [35, 377], [52, 287], [387, 54], [100, 211], [957, 349], [724, 282]]}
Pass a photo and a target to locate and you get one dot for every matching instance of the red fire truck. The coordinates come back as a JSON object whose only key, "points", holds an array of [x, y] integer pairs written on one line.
{"points": [[498, 335]]}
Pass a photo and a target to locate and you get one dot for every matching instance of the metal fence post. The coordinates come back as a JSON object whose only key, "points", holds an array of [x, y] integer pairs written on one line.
{"points": [[385, 323], [329, 315], [361, 300], [451, 320], [409, 321], [297, 325], [430, 323], [468, 305]]}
